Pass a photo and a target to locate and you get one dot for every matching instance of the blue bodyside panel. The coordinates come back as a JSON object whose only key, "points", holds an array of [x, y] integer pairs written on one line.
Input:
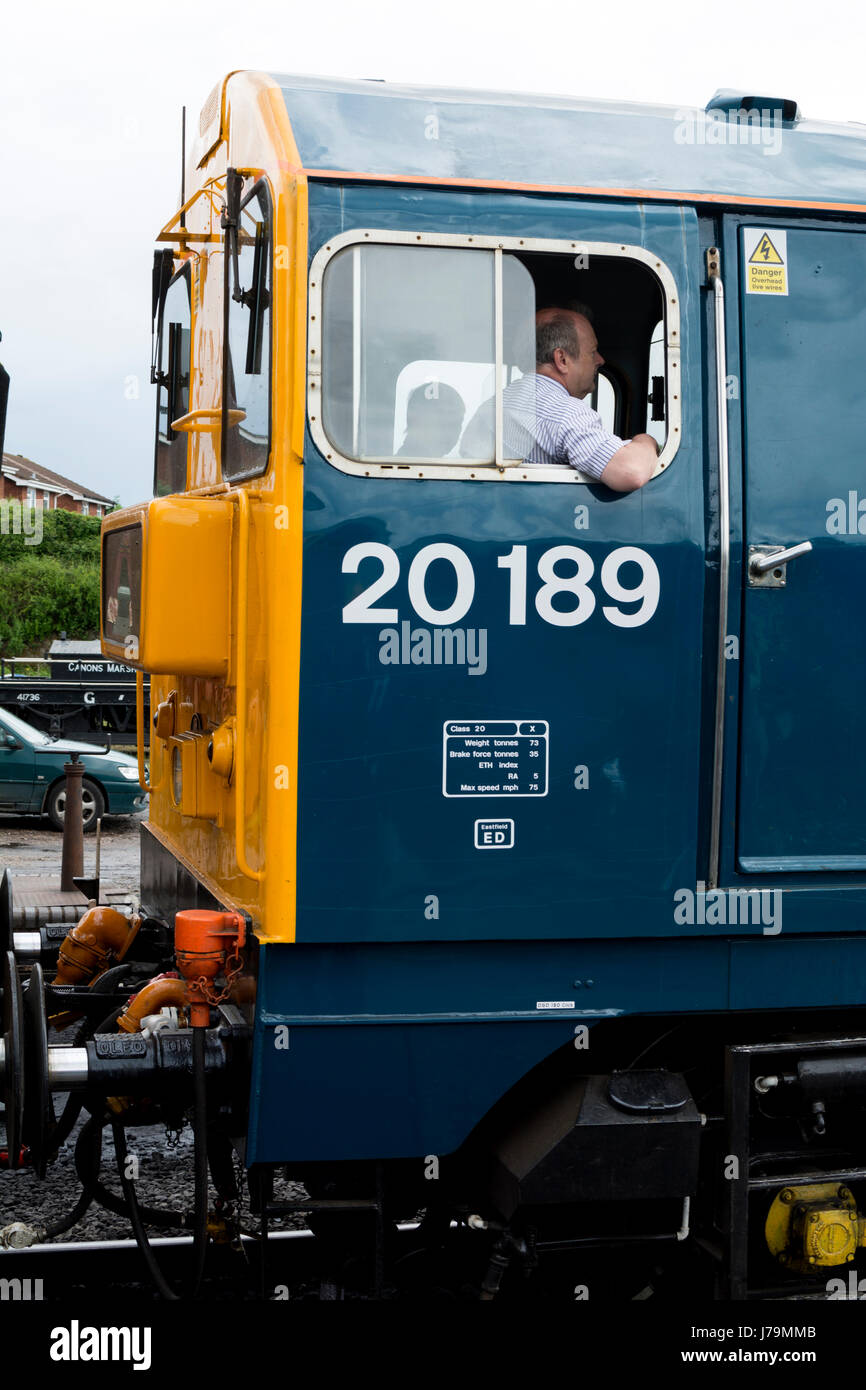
{"points": [[412, 997], [389, 129], [394, 1052], [378, 838]]}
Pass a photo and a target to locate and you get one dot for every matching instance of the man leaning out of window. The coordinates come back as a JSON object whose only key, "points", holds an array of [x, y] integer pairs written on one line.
{"points": [[545, 418]]}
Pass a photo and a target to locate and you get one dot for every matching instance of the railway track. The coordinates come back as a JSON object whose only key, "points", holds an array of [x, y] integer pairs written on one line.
{"points": [[61, 1271]]}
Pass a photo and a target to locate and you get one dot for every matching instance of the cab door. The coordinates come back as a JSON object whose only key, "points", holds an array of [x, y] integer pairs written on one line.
{"points": [[802, 747]]}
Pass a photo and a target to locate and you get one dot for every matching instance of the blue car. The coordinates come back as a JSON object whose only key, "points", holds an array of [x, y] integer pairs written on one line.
{"points": [[32, 777]]}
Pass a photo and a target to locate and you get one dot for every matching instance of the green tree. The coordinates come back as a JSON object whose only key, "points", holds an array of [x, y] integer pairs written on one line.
{"points": [[51, 587], [65, 535]]}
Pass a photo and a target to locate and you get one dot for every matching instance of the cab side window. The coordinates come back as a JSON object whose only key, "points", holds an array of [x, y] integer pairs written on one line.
{"points": [[172, 381], [248, 365], [423, 350]]}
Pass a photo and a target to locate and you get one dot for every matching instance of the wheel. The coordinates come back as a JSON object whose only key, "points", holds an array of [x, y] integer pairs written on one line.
{"points": [[92, 804], [37, 1117], [13, 1040]]}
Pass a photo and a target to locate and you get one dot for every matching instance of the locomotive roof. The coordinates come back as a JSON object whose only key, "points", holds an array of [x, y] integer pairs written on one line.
{"points": [[448, 135]]}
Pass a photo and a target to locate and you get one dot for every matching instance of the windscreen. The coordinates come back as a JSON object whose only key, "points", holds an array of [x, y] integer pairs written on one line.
{"points": [[121, 588]]}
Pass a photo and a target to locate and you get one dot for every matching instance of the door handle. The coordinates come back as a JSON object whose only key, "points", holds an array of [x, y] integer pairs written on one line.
{"points": [[767, 563]]}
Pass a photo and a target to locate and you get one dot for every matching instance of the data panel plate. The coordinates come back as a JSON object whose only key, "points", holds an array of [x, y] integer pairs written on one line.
{"points": [[498, 757]]}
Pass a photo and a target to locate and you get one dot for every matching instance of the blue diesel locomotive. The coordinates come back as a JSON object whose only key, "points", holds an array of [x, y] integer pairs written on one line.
{"points": [[507, 843]]}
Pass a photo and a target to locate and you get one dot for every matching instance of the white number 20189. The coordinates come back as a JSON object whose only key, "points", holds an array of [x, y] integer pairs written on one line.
{"points": [[573, 586]]}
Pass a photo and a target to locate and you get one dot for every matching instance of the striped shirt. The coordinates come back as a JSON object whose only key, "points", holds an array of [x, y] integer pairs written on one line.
{"points": [[543, 424]]}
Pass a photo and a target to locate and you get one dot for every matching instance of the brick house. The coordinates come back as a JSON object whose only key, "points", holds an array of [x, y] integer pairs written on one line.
{"points": [[35, 486]]}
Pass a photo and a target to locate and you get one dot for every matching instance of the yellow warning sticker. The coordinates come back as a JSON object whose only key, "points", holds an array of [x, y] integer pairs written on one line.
{"points": [[766, 256]]}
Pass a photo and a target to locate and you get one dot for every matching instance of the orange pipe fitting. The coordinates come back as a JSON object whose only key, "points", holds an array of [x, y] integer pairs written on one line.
{"points": [[201, 945], [157, 994], [101, 938]]}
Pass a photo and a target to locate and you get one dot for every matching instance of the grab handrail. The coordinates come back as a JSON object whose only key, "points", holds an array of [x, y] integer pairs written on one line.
{"points": [[715, 281], [241, 686]]}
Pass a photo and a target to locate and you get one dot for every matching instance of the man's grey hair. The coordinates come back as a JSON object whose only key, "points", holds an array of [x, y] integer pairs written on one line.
{"points": [[560, 331]]}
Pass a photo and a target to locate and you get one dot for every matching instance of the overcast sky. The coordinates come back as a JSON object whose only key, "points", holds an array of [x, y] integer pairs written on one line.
{"points": [[90, 99]]}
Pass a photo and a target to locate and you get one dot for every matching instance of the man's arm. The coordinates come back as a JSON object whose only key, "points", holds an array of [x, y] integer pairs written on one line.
{"points": [[583, 441], [632, 465]]}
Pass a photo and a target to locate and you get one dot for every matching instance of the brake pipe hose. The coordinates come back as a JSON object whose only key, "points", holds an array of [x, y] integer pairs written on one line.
{"points": [[200, 1213], [88, 1151]]}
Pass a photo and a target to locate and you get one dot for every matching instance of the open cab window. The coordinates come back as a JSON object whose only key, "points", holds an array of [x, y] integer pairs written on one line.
{"points": [[172, 386], [248, 355], [416, 350]]}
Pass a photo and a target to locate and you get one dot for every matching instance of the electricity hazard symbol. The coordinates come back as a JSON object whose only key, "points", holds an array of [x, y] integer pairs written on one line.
{"points": [[766, 260], [765, 253]]}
